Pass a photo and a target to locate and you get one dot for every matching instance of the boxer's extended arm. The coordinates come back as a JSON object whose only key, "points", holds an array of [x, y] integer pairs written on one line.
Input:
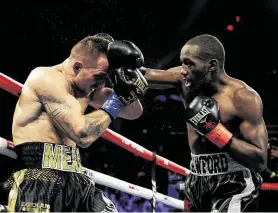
{"points": [[130, 112], [252, 149], [162, 79], [65, 111]]}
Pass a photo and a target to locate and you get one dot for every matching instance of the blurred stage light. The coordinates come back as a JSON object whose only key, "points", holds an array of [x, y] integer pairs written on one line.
{"points": [[237, 18], [230, 27]]}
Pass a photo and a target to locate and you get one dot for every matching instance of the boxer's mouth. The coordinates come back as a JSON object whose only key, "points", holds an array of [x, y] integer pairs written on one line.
{"points": [[187, 83]]}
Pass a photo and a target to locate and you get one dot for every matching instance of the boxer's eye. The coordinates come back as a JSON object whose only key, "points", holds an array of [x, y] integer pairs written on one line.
{"points": [[187, 63]]}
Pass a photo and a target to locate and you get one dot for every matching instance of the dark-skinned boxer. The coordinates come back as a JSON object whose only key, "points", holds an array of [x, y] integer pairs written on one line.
{"points": [[226, 130]]}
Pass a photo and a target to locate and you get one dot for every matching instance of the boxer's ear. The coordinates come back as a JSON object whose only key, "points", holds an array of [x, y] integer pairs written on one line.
{"points": [[77, 66], [213, 65]]}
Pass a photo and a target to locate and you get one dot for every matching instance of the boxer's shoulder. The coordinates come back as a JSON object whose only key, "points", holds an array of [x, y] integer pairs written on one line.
{"points": [[45, 73], [45, 77], [242, 92], [247, 102]]}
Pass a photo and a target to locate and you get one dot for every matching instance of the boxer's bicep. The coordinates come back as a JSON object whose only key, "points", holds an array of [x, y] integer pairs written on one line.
{"points": [[255, 134], [64, 112], [252, 128]]}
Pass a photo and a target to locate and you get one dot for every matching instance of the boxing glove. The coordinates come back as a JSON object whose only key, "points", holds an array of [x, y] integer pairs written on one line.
{"points": [[203, 114], [127, 81], [124, 54]]}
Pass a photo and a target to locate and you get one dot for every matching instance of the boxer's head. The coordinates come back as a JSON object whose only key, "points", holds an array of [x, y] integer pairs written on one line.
{"points": [[202, 58], [105, 36], [89, 63]]}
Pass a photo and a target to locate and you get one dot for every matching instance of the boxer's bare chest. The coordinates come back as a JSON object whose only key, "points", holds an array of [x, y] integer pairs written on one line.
{"points": [[227, 109]]}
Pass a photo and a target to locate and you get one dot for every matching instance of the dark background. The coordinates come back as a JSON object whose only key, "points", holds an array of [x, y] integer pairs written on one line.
{"points": [[41, 33]]}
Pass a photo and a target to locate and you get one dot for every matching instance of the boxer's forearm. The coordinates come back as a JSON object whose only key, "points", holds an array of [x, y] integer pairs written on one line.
{"points": [[159, 79], [132, 111], [96, 123], [247, 154]]}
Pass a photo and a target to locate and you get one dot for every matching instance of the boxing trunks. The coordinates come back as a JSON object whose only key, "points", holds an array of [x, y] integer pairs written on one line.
{"points": [[50, 178], [218, 183]]}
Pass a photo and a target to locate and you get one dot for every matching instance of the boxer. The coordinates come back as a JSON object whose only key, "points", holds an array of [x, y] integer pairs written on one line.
{"points": [[227, 135], [49, 124]]}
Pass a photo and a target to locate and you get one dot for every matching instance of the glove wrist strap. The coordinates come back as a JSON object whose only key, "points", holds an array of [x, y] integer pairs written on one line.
{"points": [[112, 105], [220, 136]]}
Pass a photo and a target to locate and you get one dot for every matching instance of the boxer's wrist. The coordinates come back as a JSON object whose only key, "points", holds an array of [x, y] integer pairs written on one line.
{"points": [[144, 70], [220, 136], [112, 105]]}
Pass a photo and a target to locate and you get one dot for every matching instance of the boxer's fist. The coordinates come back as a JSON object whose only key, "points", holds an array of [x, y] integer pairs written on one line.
{"points": [[129, 85], [127, 81], [203, 114]]}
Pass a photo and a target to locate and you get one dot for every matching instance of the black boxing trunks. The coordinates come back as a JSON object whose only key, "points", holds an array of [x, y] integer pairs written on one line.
{"points": [[7, 162], [218, 183], [50, 178]]}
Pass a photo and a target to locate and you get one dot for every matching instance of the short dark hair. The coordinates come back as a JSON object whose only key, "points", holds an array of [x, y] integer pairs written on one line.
{"points": [[105, 36], [91, 44], [209, 48]]}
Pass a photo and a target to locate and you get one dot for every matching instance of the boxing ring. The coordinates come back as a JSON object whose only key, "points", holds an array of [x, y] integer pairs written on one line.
{"points": [[14, 87]]}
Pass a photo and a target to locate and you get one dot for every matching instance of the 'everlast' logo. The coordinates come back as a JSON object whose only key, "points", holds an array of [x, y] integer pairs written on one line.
{"points": [[200, 115], [209, 164], [62, 158]]}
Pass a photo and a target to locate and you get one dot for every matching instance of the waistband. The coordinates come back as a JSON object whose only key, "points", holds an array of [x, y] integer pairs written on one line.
{"points": [[214, 164], [48, 155]]}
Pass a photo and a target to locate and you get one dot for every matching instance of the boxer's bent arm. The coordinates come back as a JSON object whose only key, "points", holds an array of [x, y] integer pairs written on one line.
{"points": [[162, 79], [130, 112], [252, 149], [65, 112]]}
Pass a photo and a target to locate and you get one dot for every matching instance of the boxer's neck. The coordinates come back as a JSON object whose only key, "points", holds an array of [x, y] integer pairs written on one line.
{"points": [[218, 84], [220, 81], [67, 71]]}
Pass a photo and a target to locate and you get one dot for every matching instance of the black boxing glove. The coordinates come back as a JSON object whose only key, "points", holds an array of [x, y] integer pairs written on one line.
{"points": [[124, 54], [128, 82], [203, 114]]}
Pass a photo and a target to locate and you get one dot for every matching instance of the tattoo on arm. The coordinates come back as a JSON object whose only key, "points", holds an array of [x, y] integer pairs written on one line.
{"points": [[96, 123], [56, 111], [83, 129]]}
